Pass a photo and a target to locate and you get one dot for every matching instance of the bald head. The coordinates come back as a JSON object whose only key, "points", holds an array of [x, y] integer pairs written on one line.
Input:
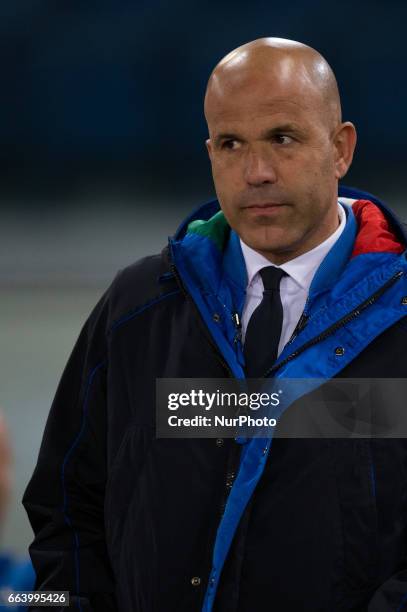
{"points": [[289, 66]]}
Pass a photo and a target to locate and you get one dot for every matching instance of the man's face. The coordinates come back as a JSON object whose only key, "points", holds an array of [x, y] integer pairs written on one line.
{"points": [[274, 165]]}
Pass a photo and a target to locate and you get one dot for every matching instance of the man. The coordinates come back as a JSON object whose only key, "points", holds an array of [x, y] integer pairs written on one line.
{"points": [[129, 522]]}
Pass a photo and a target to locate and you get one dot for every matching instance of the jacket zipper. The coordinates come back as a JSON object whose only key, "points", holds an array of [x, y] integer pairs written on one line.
{"points": [[188, 296], [302, 322], [333, 328], [234, 456]]}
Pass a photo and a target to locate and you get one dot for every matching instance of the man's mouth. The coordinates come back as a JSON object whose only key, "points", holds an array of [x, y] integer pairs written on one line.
{"points": [[263, 207]]}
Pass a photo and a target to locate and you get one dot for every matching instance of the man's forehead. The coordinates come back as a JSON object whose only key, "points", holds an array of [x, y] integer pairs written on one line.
{"points": [[270, 109], [260, 93]]}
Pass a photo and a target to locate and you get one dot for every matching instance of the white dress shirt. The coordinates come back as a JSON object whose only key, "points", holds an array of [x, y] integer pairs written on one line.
{"points": [[294, 288]]}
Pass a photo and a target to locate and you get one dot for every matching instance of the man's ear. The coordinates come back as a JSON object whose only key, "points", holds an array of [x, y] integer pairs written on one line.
{"points": [[209, 147], [345, 143]]}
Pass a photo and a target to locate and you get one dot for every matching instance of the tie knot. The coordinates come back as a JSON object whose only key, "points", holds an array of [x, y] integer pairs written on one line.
{"points": [[271, 277]]}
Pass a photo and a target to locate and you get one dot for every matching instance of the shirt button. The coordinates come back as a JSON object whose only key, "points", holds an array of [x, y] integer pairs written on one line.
{"points": [[339, 351], [219, 442], [195, 581], [404, 300]]}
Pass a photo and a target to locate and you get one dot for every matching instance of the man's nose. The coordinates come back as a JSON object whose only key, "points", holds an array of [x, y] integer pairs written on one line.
{"points": [[259, 167]]}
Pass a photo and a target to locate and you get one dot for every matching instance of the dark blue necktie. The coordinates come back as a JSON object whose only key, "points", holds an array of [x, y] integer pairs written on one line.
{"points": [[264, 328]]}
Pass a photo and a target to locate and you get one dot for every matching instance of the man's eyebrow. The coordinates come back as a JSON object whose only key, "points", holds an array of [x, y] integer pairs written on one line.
{"points": [[291, 128]]}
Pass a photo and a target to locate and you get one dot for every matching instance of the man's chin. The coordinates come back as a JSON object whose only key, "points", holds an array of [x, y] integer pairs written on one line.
{"points": [[275, 247], [273, 240]]}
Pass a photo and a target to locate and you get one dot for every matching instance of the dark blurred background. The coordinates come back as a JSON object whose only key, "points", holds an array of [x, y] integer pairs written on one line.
{"points": [[106, 95], [102, 135]]}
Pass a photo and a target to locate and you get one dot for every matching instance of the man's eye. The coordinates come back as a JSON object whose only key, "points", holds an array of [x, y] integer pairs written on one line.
{"points": [[283, 139], [230, 145]]}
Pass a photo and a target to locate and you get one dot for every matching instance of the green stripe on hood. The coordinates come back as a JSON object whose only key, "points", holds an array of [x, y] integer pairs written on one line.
{"points": [[216, 228]]}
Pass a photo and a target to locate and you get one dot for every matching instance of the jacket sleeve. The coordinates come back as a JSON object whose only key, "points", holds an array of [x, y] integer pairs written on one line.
{"points": [[64, 499]]}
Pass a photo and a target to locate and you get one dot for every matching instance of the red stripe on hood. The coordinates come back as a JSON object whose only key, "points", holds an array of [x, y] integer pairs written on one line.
{"points": [[374, 234]]}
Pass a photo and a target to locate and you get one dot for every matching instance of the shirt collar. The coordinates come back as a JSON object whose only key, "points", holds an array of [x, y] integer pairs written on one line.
{"points": [[301, 268]]}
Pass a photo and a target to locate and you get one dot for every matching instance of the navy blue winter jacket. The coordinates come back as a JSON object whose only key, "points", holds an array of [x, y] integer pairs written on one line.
{"points": [[127, 521]]}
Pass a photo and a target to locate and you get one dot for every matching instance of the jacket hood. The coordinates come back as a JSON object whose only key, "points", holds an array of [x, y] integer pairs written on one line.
{"points": [[379, 229]]}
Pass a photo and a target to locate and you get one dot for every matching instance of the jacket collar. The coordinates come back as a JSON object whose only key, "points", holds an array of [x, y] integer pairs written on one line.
{"points": [[211, 251]]}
